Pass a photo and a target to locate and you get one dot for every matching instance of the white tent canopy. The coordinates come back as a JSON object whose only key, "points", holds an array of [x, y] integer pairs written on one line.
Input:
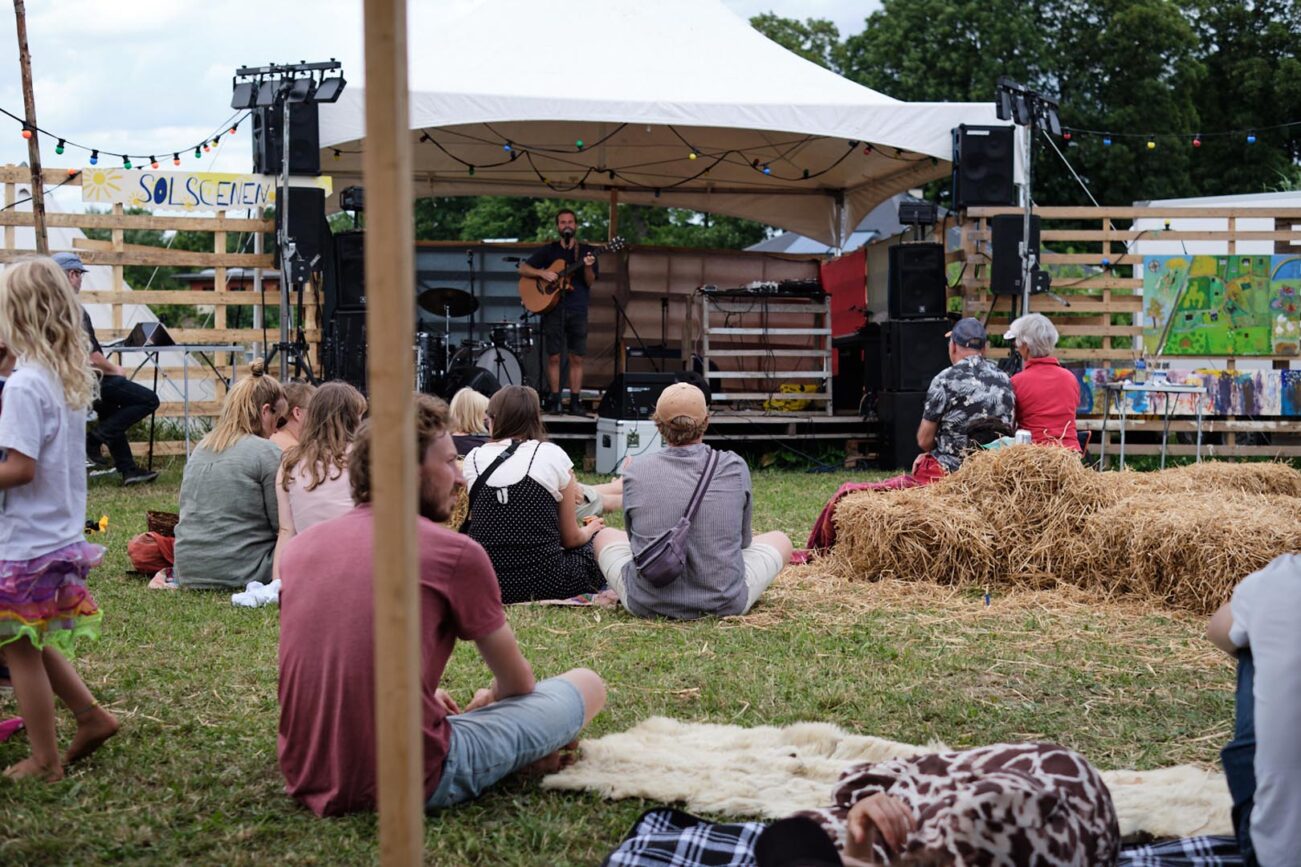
{"points": [[644, 86]]}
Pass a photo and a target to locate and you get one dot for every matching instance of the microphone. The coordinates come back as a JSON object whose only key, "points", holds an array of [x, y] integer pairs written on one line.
{"points": [[512, 258]]}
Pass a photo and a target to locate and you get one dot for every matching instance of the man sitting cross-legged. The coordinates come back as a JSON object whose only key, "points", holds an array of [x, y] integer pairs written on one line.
{"points": [[328, 645]]}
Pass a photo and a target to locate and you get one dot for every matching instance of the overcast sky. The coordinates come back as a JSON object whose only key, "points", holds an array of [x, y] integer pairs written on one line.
{"points": [[156, 78]]}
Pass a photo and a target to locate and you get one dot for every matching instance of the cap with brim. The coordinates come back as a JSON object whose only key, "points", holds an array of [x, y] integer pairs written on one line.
{"points": [[681, 399], [968, 333], [795, 842], [69, 262]]}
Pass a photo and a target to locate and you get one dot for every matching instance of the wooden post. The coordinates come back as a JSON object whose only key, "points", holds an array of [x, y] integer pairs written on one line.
{"points": [[33, 143], [614, 215], [390, 266]]}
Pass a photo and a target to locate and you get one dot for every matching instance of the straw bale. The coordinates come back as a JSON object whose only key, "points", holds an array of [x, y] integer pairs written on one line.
{"points": [[1190, 551], [914, 536], [1250, 478]]}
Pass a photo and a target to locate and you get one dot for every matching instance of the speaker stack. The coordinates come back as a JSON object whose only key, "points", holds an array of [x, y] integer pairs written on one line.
{"points": [[909, 348], [344, 345]]}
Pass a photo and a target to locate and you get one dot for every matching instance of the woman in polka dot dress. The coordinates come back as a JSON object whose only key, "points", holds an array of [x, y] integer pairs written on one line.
{"points": [[525, 512]]}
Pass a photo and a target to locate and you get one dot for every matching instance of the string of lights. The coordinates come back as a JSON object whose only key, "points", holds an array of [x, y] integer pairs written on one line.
{"points": [[230, 127], [1251, 135]]}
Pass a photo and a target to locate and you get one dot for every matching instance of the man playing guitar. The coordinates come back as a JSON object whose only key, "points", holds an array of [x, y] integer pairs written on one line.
{"points": [[565, 323]]}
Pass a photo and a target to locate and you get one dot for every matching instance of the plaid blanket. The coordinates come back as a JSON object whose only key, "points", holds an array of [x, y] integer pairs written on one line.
{"points": [[664, 837]]}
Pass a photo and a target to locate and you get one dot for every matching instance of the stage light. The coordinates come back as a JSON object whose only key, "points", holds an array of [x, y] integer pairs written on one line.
{"points": [[329, 89], [300, 90], [266, 93], [243, 95]]}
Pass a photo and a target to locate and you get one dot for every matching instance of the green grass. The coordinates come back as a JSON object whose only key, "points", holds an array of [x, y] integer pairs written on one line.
{"points": [[192, 777]]}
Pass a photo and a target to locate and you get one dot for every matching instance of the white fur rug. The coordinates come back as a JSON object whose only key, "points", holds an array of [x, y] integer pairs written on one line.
{"points": [[773, 772]]}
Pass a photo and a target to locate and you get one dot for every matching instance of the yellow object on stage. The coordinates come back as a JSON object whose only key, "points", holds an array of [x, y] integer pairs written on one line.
{"points": [[792, 404]]}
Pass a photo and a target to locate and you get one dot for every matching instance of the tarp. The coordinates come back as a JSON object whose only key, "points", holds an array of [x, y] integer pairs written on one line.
{"points": [[644, 86]]}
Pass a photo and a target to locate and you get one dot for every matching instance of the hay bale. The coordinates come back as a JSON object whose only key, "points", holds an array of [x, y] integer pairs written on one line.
{"points": [[1249, 478], [459, 511], [913, 536], [1190, 552]]}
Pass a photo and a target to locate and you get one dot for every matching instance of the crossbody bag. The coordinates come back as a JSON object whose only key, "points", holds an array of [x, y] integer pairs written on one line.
{"points": [[665, 559], [483, 477]]}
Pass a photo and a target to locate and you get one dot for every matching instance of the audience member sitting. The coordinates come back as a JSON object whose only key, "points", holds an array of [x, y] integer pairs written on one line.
{"points": [[524, 513], [226, 535], [971, 387], [289, 427], [1262, 764], [469, 420], [727, 569], [312, 483], [1008, 804], [1047, 394], [329, 643]]}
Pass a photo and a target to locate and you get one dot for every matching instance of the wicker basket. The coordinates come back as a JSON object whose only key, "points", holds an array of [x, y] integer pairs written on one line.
{"points": [[162, 523]]}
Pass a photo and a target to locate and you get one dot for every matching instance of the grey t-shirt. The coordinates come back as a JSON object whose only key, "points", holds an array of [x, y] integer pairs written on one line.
{"points": [[229, 521], [656, 489], [1266, 607]]}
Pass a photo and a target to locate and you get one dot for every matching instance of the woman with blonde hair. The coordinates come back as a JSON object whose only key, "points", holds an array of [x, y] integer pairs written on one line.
{"points": [[289, 428], [312, 484], [467, 417], [44, 558], [226, 536]]}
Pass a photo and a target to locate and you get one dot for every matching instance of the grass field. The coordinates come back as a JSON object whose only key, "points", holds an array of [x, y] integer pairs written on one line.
{"points": [[192, 777]]}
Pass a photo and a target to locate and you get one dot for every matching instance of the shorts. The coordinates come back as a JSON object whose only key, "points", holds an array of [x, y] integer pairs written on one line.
{"points": [[565, 331], [762, 563], [493, 742]]}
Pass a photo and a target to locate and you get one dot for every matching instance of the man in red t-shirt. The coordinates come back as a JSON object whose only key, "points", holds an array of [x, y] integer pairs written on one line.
{"points": [[1047, 394], [327, 679]]}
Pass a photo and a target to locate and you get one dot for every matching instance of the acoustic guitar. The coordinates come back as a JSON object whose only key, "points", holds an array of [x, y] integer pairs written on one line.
{"points": [[539, 296]]}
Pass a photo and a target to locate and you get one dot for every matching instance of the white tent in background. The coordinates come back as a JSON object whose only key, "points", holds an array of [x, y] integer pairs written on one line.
{"points": [[505, 92]]}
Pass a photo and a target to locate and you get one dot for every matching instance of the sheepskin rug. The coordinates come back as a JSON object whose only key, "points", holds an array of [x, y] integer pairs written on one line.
{"points": [[772, 772]]}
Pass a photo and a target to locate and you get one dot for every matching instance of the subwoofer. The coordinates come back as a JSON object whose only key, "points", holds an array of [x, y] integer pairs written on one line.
{"points": [[916, 284], [1006, 233], [983, 160], [349, 289], [344, 349], [912, 352]]}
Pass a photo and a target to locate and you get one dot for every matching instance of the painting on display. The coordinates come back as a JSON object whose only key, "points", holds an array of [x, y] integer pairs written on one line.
{"points": [[1228, 392], [1222, 305]]}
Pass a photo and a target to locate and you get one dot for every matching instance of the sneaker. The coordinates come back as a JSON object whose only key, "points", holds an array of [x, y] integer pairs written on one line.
{"points": [[138, 476], [554, 404], [576, 406], [95, 457]]}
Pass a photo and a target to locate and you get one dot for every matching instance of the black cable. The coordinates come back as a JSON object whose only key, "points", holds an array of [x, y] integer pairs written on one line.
{"points": [[28, 198], [69, 142]]}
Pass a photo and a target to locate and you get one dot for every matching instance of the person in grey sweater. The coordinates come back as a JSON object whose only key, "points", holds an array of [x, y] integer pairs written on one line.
{"points": [[226, 535], [727, 567]]}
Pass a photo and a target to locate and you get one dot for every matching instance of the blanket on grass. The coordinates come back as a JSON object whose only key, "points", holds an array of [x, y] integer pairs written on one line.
{"points": [[772, 772], [664, 837]]}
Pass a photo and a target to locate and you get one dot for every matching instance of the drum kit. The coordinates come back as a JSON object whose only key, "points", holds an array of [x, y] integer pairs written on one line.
{"points": [[443, 368]]}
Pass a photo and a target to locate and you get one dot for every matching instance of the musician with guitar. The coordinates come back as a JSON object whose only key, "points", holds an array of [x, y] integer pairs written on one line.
{"points": [[553, 269]]}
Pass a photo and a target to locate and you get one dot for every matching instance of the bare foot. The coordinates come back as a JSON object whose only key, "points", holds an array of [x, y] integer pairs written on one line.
{"points": [[93, 728], [30, 767], [557, 761]]}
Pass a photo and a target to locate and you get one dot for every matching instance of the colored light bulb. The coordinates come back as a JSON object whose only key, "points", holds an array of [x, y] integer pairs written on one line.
{"points": [[198, 154], [94, 158], [153, 162], [1197, 141], [27, 133], [692, 155], [1151, 145], [58, 148], [1251, 138], [126, 162], [579, 144], [1106, 141], [176, 159], [1066, 136], [506, 147]]}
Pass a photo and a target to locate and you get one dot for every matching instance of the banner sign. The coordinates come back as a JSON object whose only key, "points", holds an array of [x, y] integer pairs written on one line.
{"points": [[185, 191]]}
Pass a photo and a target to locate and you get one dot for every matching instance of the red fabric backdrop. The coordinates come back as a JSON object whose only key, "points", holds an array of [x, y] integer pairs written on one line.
{"points": [[845, 279]]}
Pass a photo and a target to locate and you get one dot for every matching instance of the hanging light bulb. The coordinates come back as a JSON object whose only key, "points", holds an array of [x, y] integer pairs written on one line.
{"points": [[198, 154], [58, 148], [1066, 136], [1251, 138], [206, 146], [176, 159], [1106, 141], [1151, 145], [693, 155], [579, 144], [1197, 141], [126, 161], [471, 171], [27, 133], [153, 162], [94, 158]]}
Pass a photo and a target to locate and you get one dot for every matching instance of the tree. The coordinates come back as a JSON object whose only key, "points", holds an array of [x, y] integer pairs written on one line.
{"points": [[816, 39]]}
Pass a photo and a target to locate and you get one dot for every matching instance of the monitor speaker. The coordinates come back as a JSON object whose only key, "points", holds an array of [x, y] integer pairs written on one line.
{"points": [[912, 352], [1006, 233], [983, 159], [916, 285], [304, 140], [633, 395], [900, 413]]}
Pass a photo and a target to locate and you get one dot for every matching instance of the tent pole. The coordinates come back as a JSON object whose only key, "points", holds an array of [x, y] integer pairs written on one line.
{"points": [[614, 214], [390, 264]]}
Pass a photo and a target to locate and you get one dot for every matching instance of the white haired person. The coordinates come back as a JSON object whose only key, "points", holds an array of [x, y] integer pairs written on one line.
{"points": [[1047, 394], [727, 567]]}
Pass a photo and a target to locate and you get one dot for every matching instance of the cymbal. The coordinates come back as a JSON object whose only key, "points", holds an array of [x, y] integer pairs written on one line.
{"points": [[446, 300]]}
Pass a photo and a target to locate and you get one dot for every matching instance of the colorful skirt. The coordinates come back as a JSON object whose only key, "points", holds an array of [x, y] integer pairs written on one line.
{"points": [[45, 599]]}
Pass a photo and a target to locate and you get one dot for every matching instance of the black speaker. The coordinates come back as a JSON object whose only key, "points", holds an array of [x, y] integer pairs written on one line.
{"points": [[983, 158], [632, 395], [304, 140], [901, 414], [344, 349], [916, 285], [349, 272], [912, 352], [847, 386], [1006, 233], [308, 229]]}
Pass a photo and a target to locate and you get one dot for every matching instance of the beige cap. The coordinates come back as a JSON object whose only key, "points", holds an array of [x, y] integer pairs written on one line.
{"points": [[681, 399]]}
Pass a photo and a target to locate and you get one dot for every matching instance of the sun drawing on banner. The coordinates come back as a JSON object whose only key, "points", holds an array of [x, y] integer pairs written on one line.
{"points": [[101, 185]]}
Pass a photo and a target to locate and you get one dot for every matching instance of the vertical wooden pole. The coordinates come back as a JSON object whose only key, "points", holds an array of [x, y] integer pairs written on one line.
{"points": [[614, 215], [390, 267], [33, 143], [119, 281]]}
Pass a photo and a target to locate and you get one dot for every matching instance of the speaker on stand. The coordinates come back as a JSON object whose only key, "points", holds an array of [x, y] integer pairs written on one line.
{"points": [[983, 161], [304, 140], [917, 284], [1006, 233]]}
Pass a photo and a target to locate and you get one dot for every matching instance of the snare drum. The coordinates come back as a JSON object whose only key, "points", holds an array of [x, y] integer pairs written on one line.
{"points": [[515, 336]]}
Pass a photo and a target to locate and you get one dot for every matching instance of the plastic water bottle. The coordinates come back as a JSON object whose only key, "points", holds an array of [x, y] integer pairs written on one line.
{"points": [[1024, 437], [1140, 371]]}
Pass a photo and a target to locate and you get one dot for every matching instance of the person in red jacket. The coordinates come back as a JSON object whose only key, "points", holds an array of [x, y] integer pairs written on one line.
{"points": [[1047, 394]]}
